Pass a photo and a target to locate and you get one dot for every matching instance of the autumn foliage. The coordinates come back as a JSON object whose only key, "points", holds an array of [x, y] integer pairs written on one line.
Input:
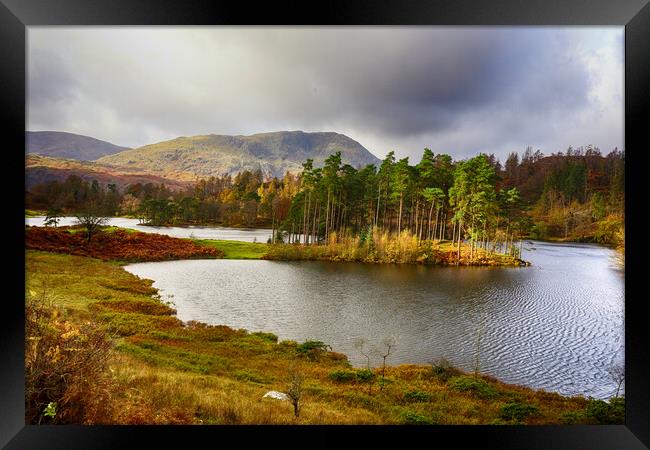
{"points": [[116, 245], [66, 366]]}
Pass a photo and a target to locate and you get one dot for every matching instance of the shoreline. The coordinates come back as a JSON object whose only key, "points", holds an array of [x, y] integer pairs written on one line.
{"points": [[152, 345], [141, 246], [585, 240]]}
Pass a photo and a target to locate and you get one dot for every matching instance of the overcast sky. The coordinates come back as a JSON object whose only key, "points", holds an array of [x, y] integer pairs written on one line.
{"points": [[456, 90]]}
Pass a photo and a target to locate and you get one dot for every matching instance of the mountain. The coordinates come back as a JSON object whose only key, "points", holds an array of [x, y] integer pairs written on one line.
{"points": [[189, 158], [67, 145], [42, 169]]}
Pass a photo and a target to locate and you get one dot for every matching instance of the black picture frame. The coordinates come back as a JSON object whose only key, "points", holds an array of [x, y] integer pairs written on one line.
{"points": [[634, 15]]}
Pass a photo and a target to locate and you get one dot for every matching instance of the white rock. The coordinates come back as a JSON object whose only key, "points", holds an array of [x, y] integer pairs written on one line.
{"points": [[276, 395]]}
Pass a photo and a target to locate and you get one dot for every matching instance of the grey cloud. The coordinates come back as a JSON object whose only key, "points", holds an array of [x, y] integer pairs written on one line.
{"points": [[465, 88]]}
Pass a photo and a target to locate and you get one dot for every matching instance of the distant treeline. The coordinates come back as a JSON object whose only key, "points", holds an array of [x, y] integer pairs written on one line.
{"points": [[578, 194]]}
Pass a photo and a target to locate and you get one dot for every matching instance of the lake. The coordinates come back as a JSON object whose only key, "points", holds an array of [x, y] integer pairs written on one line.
{"points": [[223, 233], [557, 325]]}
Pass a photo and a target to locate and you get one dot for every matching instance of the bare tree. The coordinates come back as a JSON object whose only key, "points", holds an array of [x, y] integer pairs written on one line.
{"points": [[389, 343], [617, 374], [296, 379], [359, 344], [366, 374]]}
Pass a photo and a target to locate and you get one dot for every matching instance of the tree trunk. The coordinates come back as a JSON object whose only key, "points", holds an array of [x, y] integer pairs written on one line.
{"points": [[471, 244], [484, 235], [416, 222], [453, 234], [429, 227], [327, 215], [399, 218], [422, 221], [444, 226], [306, 231], [314, 240], [304, 218], [460, 225], [435, 225], [377, 213], [317, 226]]}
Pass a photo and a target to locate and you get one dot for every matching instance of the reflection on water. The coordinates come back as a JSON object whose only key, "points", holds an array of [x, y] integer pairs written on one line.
{"points": [[557, 325]]}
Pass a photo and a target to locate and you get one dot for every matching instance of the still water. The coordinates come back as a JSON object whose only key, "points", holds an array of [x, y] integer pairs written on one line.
{"points": [[557, 325], [223, 233]]}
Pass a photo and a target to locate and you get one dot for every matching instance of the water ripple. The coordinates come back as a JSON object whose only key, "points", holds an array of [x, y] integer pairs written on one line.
{"points": [[557, 325]]}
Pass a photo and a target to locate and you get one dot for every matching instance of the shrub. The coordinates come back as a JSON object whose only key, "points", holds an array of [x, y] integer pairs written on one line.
{"points": [[342, 376], [416, 396], [607, 230], [473, 385], [571, 418], [443, 370], [66, 367], [409, 417], [517, 411], [365, 375], [606, 413], [312, 349]]}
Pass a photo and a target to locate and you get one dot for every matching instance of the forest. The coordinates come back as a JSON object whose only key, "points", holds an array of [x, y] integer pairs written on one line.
{"points": [[576, 195]]}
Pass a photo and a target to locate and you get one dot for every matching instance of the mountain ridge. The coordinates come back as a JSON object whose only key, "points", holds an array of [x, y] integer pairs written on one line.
{"points": [[275, 153], [61, 144]]}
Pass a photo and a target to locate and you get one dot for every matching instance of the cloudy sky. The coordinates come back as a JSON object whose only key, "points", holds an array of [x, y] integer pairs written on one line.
{"points": [[456, 90]]}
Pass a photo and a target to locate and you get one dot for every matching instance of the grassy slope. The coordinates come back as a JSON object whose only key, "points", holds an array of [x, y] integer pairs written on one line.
{"points": [[167, 372], [187, 157]]}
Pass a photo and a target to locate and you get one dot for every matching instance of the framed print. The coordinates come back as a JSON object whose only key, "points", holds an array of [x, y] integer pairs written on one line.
{"points": [[379, 220]]}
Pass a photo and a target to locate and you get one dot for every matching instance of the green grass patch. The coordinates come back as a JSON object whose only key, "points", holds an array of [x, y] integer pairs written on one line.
{"points": [[34, 213], [168, 356], [128, 324], [236, 249]]}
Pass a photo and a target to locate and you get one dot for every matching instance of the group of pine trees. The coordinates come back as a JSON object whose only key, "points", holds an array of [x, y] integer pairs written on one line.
{"points": [[436, 199], [578, 195]]}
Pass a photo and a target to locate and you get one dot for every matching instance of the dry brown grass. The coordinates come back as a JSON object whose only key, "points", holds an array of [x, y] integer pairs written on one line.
{"points": [[381, 247], [166, 372]]}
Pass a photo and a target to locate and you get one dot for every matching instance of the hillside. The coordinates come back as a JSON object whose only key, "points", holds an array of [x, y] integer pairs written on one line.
{"points": [[68, 145], [186, 158], [42, 169]]}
